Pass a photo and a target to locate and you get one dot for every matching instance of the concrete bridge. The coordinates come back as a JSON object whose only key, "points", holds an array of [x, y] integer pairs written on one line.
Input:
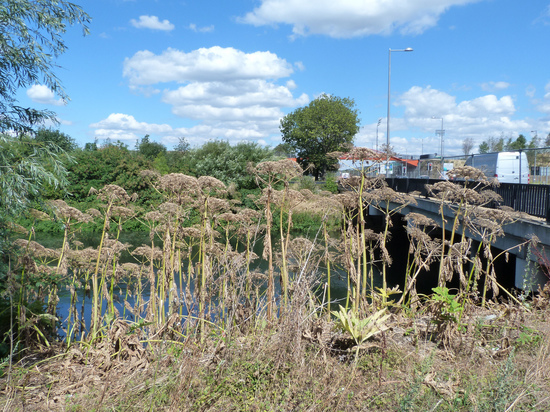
{"points": [[515, 233]]}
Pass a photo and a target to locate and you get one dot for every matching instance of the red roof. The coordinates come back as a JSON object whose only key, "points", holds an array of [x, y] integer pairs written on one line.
{"points": [[409, 162]]}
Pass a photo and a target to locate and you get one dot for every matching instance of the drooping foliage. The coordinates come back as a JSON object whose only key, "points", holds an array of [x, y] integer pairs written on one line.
{"points": [[30, 39]]}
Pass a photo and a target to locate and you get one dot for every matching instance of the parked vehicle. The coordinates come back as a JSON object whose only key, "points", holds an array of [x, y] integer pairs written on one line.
{"points": [[507, 167]]}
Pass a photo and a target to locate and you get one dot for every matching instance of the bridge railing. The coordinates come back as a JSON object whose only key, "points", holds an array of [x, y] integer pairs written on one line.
{"points": [[531, 199]]}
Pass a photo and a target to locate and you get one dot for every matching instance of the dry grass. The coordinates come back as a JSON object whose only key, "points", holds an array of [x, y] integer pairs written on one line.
{"points": [[499, 360]]}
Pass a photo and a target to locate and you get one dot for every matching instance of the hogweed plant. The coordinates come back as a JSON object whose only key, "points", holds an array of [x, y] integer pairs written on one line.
{"points": [[112, 195], [389, 202], [268, 175]]}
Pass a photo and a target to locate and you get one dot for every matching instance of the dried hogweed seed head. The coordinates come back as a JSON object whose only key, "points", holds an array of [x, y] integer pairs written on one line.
{"points": [[216, 205], [419, 220], [469, 173], [210, 184], [150, 174], [114, 193], [94, 212], [38, 215], [179, 184]]}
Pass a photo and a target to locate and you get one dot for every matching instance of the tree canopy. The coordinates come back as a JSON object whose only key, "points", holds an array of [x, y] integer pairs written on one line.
{"points": [[58, 138], [327, 124], [150, 149], [30, 39]]}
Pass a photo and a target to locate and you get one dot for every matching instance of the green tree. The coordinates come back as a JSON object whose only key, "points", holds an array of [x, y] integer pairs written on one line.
{"points": [[327, 124], [110, 164], [60, 139], [183, 145], [228, 163], [492, 144], [30, 39], [149, 149], [518, 144], [484, 147], [26, 167]]}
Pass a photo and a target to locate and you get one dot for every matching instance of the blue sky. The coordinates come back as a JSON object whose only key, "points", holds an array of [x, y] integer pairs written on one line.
{"points": [[219, 69]]}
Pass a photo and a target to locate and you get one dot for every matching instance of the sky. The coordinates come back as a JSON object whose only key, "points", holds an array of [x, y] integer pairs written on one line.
{"points": [[231, 69]]}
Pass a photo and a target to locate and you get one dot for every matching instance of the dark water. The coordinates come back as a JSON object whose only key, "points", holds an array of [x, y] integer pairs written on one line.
{"points": [[135, 239]]}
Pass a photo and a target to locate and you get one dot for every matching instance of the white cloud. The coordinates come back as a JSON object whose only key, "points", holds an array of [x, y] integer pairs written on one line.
{"points": [[494, 86], [240, 99], [212, 64], [119, 126], [488, 106], [477, 118], [426, 102], [40, 93], [206, 29], [153, 23], [351, 18], [231, 94]]}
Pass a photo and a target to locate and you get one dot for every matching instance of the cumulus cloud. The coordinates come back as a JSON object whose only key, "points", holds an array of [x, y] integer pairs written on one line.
{"points": [[426, 102], [477, 118], [230, 93], [235, 100], [488, 106], [153, 23], [204, 64], [119, 126], [351, 18], [40, 93]]}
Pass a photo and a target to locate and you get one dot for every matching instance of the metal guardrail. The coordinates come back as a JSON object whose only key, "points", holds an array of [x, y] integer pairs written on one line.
{"points": [[531, 199]]}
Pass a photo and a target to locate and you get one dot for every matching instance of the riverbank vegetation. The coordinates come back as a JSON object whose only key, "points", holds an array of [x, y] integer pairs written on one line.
{"points": [[192, 324]]}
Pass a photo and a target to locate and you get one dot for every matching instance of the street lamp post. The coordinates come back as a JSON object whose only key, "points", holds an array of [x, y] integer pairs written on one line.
{"points": [[379, 120], [408, 49]]}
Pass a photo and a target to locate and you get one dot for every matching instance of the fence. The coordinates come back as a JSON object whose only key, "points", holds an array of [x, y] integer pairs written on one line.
{"points": [[528, 198]]}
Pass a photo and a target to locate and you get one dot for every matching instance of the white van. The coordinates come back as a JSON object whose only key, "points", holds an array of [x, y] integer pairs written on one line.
{"points": [[505, 166]]}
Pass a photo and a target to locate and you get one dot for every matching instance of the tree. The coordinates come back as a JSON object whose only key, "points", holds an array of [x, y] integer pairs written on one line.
{"points": [[492, 144], [60, 139], [150, 149], [283, 150], [30, 40], [467, 145], [327, 124], [484, 147], [26, 167], [228, 163], [110, 164], [518, 144], [183, 145]]}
